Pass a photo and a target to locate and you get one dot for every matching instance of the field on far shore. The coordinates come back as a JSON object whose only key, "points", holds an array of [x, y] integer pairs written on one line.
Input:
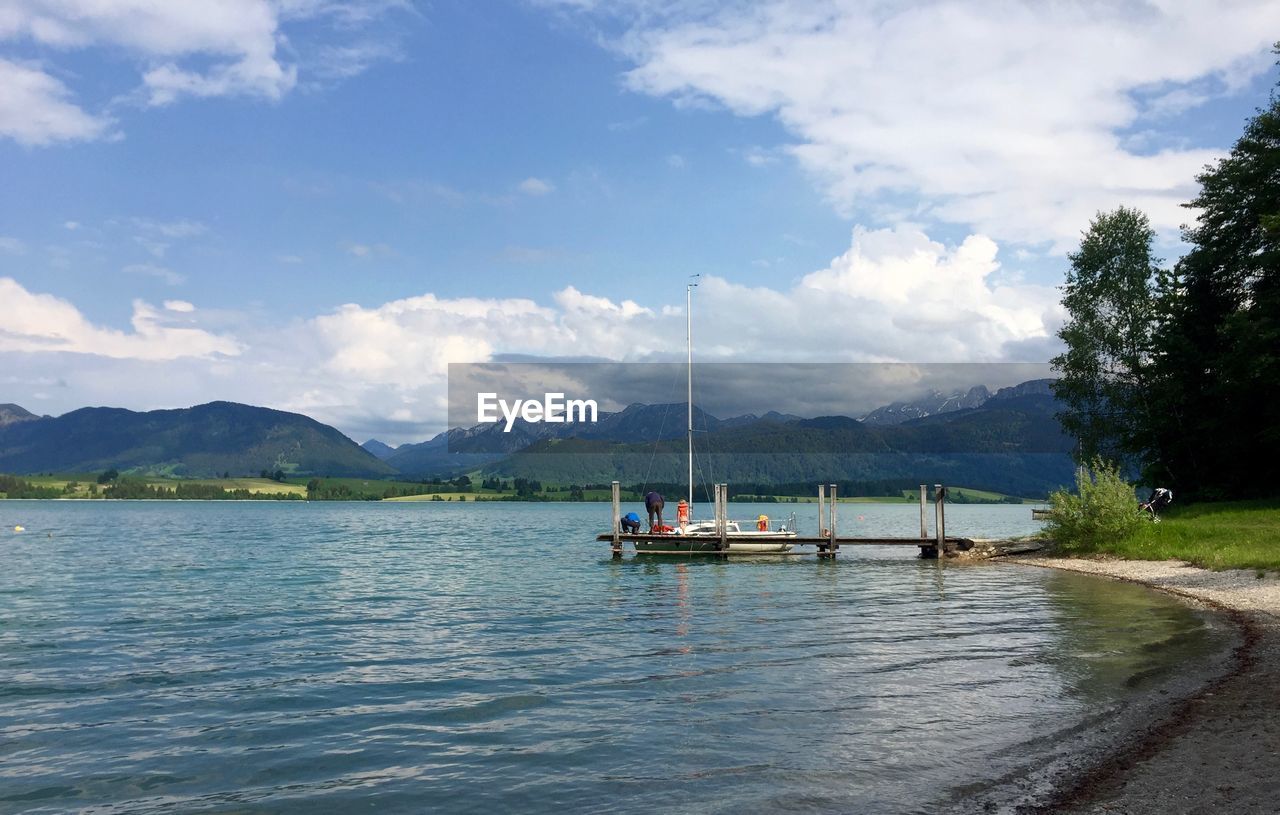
{"points": [[86, 486]]}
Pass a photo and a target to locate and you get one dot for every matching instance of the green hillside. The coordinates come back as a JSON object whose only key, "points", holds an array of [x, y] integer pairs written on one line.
{"points": [[203, 441]]}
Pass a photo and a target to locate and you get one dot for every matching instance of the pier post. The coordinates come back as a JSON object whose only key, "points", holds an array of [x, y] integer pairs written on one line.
{"points": [[924, 524], [617, 520], [822, 515], [938, 494], [722, 520], [715, 507], [832, 546]]}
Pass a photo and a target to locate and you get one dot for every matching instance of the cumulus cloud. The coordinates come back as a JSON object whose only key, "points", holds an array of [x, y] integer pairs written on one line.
{"points": [[41, 323], [38, 109], [1007, 117], [229, 48]]}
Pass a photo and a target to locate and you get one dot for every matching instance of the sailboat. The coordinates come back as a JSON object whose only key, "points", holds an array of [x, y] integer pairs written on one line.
{"points": [[704, 536]]}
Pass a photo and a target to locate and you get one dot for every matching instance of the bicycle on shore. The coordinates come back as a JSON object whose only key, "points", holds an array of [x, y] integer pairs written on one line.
{"points": [[1159, 499]]}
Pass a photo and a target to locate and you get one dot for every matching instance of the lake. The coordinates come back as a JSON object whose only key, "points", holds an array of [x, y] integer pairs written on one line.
{"points": [[460, 657]]}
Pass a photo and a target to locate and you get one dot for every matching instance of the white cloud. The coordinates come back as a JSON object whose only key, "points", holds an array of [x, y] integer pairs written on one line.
{"points": [[12, 246], [41, 323], [36, 109], [335, 62], [227, 48], [407, 340], [758, 156], [535, 186], [71, 226], [1007, 117], [180, 306]]}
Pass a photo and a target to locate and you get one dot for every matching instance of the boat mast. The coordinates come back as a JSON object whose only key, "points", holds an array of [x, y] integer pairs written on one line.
{"points": [[688, 315]]}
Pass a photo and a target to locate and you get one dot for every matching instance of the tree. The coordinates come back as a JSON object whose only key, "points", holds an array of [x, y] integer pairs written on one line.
{"points": [[1111, 298], [1221, 380]]}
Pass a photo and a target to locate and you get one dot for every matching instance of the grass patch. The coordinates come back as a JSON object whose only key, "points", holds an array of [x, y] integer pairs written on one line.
{"points": [[1228, 535], [257, 486]]}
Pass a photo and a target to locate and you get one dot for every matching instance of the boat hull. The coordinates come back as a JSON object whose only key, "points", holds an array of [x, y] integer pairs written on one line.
{"points": [[709, 545]]}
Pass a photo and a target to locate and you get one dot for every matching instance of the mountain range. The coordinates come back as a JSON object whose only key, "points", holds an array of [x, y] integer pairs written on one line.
{"points": [[1008, 441]]}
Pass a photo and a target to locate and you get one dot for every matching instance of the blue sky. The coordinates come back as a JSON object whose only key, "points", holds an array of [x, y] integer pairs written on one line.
{"points": [[317, 205]]}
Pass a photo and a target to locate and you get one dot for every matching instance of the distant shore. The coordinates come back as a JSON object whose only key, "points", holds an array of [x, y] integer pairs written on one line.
{"points": [[1217, 751]]}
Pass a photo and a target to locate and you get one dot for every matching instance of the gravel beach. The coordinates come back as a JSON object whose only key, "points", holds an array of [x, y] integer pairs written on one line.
{"points": [[1219, 751]]}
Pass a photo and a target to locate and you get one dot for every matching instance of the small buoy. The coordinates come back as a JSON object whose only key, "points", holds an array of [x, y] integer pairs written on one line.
{"points": [[862, 517], [19, 529]]}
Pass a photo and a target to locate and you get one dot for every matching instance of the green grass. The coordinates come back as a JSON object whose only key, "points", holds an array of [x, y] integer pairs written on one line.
{"points": [[1229, 535], [254, 485]]}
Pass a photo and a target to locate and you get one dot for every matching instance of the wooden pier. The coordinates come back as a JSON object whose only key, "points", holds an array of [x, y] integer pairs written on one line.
{"points": [[827, 544]]}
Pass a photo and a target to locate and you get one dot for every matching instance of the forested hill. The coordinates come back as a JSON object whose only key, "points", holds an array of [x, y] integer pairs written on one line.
{"points": [[1012, 443], [206, 440]]}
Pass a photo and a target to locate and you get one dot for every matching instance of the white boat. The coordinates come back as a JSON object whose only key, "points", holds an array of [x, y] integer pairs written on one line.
{"points": [[704, 536]]}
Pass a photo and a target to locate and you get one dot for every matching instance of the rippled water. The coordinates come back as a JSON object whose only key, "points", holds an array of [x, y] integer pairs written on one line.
{"points": [[257, 657]]}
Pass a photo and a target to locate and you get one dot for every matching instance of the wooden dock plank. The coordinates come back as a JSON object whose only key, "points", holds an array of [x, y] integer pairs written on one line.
{"points": [[644, 537]]}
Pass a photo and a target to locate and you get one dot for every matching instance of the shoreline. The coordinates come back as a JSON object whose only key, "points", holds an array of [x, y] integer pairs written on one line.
{"points": [[1215, 750]]}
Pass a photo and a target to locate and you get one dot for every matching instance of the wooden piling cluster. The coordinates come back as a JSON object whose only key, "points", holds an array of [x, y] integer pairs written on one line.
{"points": [[827, 541]]}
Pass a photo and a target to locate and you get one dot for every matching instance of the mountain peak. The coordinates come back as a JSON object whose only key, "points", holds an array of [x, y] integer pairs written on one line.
{"points": [[12, 414], [1034, 387], [931, 404], [379, 449]]}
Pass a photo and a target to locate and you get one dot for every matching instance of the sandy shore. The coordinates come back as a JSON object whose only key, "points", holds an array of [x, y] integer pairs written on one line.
{"points": [[1219, 751]]}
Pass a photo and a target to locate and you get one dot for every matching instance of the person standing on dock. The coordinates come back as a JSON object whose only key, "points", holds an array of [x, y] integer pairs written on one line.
{"points": [[653, 504]]}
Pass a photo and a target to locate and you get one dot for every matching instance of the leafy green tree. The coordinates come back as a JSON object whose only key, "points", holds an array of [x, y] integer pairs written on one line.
{"points": [[1220, 381], [1111, 298]]}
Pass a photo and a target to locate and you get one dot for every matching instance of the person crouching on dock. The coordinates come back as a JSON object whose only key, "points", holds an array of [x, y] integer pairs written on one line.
{"points": [[653, 504], [631, 523]]}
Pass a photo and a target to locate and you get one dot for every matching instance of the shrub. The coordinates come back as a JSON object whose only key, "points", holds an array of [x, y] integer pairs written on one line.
{"points": [[1103, 510]]}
